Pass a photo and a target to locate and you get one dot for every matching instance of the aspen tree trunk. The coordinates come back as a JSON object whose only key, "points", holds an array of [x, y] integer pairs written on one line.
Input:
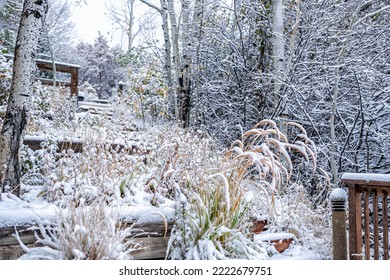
{"points": [[163, 10], [167, 51], [130, 36], [294, 33], [15, 121], [185, 71], [175, 54], [278, 48], [197, 25]]}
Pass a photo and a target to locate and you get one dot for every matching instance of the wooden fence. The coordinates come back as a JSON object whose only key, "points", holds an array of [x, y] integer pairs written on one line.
{"points": [[368, 199]]}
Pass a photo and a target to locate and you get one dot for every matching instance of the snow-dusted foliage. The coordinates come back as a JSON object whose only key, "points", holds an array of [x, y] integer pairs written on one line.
{"points": [[214, 194], [215, 207], [10, 11], [213, 223], [338, 82], [267, 162], [147, 90], [98, 66], [5, 78], [84, 233]]}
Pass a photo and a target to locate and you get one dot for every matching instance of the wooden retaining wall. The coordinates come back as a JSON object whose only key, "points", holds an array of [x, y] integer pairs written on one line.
{"points": [[77, 147], [151, 237]]}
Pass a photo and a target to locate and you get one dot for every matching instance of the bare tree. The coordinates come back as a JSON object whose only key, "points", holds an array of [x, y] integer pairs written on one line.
{"points": [[163, 10], [122, 15], [185, 67], [278, 48], [16, 116]]}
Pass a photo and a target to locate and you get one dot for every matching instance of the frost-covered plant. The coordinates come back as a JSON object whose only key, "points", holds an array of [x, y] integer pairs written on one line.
{"points": [[147, 92], [265, 162], [180, 157], [308, 222], [261, 164], [5, 78], [213, 223], [213, 218], [84, 233]]}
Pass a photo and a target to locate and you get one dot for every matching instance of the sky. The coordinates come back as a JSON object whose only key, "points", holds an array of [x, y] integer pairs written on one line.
{"points": [[90, 17]]}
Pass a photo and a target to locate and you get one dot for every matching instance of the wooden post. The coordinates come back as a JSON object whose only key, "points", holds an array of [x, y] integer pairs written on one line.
{"points": [[121, 87], [355, 222], [338, 201], [74, 81]]}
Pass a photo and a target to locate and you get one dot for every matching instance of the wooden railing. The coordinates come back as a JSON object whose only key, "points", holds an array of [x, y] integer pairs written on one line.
{"points": [[73, 70], [368, 199], [62, 67]]}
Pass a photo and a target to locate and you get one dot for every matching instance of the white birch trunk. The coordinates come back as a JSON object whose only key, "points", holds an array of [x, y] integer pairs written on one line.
{"points": [[294, 33], [24, 67], [167, 45], [278, 48], [175, 54], [197, 26], [185, 71], [130, 36], [167, 50]]}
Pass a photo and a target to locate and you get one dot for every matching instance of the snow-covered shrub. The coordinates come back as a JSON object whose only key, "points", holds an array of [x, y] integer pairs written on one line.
{"points": [[310, 223], [147, 92], [213, 223], [84, 233], [5, 78], [99, 172], [212, 218], [254, 178], [50, 111], [37, 169], [264, 161]]}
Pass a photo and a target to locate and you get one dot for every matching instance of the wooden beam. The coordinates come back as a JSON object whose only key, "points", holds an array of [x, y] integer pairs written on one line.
{"points": [[49, 82], [366, 179], [60, 66]]}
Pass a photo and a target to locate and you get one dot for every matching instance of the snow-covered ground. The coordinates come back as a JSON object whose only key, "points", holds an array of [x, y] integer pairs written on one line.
{"points": [[174, 174], [16, 212]]}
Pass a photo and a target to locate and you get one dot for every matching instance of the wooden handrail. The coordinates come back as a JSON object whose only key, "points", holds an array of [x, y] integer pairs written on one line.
{"points": [[365, 193], [63, 67]]}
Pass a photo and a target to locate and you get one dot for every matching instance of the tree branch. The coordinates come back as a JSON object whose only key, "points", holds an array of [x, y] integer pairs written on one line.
{"points": [[152, 5]]}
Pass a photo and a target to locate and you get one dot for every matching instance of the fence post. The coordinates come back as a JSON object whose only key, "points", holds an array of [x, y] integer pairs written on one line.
{"points": [[121, 87], [338, 199]]}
